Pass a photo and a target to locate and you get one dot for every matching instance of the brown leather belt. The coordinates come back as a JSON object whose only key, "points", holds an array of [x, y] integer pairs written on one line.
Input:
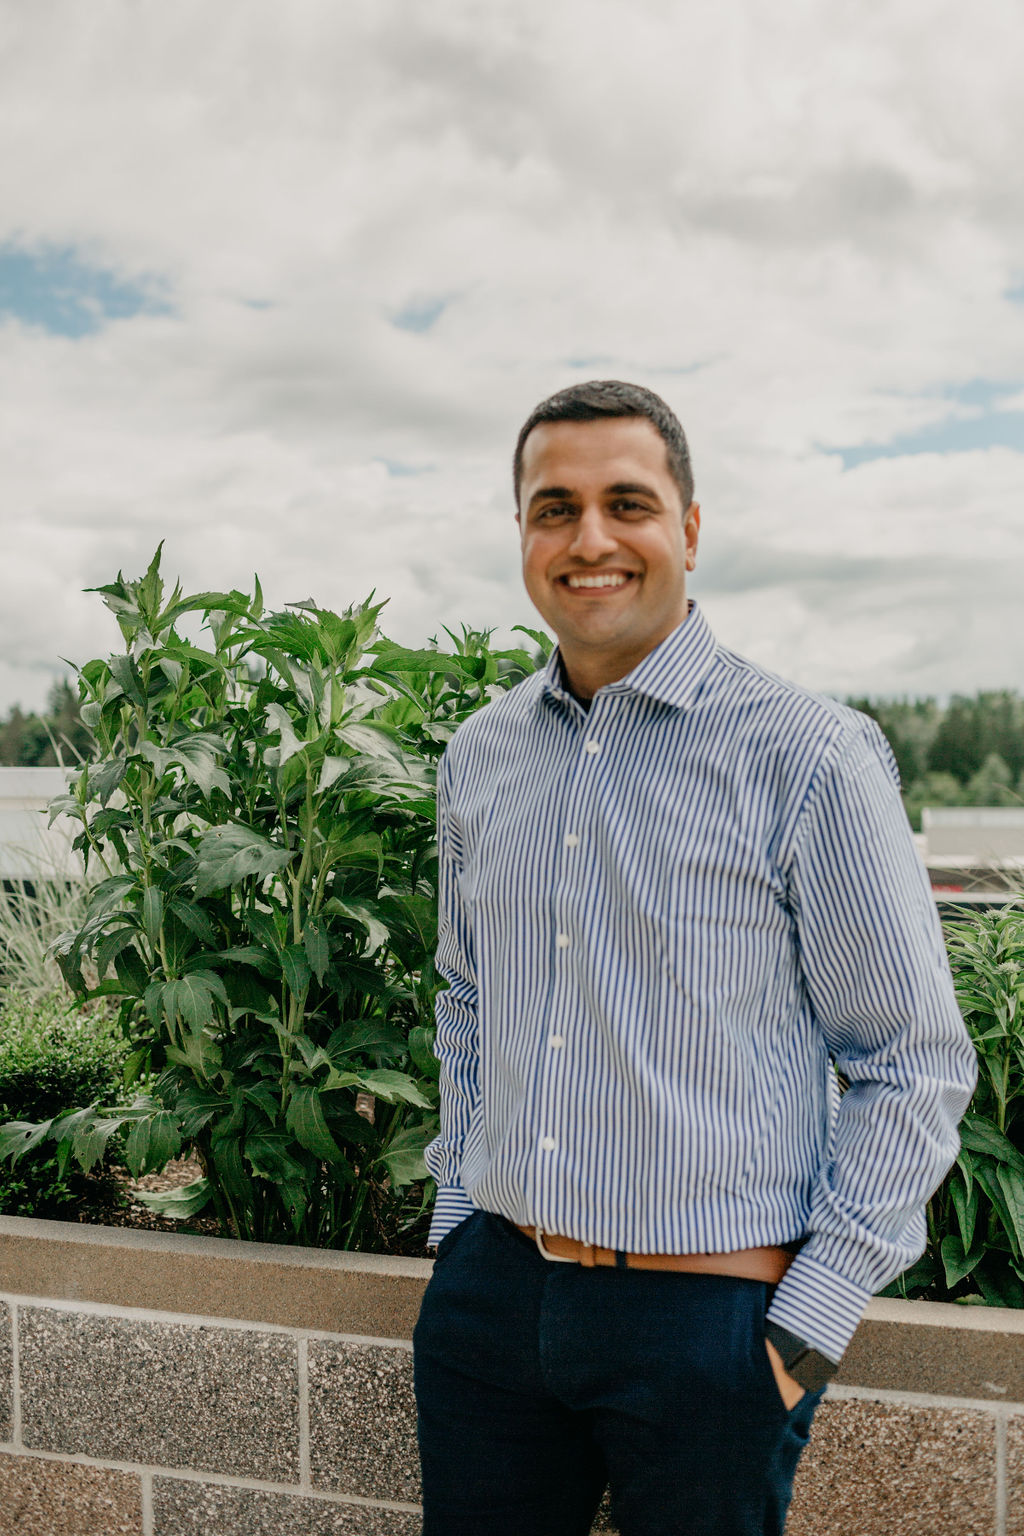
{"points": [[767, 1264]]}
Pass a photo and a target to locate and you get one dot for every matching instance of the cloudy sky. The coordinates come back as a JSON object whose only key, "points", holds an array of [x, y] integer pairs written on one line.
{"points": [[279, 279]]}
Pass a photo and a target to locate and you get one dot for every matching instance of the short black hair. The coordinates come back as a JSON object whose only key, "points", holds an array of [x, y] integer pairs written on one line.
{"points": [[608, 398]]}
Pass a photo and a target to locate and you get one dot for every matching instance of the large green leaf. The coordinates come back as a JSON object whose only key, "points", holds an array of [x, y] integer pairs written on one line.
{"points": [[306, 1120], [980, 1135], [271, 1156], [194, 918], [194, 998], [957, 1263], [197, 755], [1012, 1185], [357, 1037], [152, 1142], [393, 1087], [965, 1203], [178, 1204], [19, 1136], [126, 675], [403, 1156], [412, 923], [86, 1134], [104, 778], [230, 854], [372, 740], [131, 971], [113, 942], [421, 1049], [318, 949], [279, 721], [196, 1107], [296, 969], [152, 911], [359, 912]]}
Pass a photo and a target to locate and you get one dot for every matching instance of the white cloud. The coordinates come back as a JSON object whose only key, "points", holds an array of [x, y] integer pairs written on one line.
{"points": [[799, 227]]}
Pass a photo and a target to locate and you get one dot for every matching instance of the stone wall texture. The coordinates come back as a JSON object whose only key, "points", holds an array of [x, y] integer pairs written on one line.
{"points": [[191, 1409]]}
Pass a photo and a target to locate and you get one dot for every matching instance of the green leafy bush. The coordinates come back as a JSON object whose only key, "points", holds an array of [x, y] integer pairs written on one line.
{"points": [[975, 1247], [53, 1056], [261, 807]]}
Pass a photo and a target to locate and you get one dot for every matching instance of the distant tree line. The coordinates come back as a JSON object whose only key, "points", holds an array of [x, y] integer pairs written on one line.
{"points": [[968, 752], [34, 741]]}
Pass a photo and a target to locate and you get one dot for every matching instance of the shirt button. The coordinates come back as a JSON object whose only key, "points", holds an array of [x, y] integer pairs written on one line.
{"points": [[593, 747], [571, 839], [562, 940], [548, 1144], [556, 1042]]}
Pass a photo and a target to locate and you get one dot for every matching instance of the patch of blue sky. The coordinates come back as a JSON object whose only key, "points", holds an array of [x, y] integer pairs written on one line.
{"points": [[969, 434], [598, 360], [626, 370], [400, 470], [980, 422], [1016, 293], [420, 314], [982, 392], [53, 288]]}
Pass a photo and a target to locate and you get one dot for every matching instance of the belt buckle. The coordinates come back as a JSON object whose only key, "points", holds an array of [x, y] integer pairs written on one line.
{"points": [[553, 1258]]}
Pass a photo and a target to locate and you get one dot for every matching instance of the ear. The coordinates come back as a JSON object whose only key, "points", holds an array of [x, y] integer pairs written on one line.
{"points": [[691, 530]]}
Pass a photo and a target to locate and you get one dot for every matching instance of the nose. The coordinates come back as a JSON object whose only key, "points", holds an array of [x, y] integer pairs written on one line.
{"points": [[592, 538]]}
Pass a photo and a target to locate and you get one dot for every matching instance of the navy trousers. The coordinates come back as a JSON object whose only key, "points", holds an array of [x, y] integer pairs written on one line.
{"points": [[539, 1383]]}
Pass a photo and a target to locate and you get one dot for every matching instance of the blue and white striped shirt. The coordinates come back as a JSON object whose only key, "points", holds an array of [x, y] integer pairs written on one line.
{"points": [[661, 921]]}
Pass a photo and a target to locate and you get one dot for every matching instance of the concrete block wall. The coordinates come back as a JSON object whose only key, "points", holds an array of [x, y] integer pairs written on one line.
{"points": [[176, 1386]]}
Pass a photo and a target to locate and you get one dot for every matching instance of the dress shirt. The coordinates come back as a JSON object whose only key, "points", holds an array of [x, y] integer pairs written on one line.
{"points": [[664, 923]]}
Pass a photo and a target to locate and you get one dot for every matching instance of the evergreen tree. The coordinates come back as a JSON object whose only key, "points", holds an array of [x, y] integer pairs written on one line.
{"points": [[958, 748], [992, 784]]}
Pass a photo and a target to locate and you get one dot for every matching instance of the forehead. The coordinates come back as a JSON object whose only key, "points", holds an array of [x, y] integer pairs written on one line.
{"points": [[588, 455]]}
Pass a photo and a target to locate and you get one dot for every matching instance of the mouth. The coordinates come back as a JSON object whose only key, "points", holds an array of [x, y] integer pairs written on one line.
{"points": [[590, 582]]}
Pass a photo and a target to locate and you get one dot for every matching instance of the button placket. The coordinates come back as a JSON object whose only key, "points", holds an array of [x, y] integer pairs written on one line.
{"points": [[581, 790]]}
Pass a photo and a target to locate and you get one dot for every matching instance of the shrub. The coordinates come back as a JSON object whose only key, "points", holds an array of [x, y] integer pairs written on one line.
{"points": [[262, 809], [53, 1056], [976, 1219]]}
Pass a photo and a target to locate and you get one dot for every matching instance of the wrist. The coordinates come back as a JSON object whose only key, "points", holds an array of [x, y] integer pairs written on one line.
{"points": [[807, 1365]]}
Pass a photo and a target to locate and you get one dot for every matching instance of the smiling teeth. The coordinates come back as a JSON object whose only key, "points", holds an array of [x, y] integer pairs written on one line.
{"points": [[597, 581]]}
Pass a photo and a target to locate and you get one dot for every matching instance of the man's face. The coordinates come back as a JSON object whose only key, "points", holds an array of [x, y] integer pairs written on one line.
{"points": [[606, 542]]}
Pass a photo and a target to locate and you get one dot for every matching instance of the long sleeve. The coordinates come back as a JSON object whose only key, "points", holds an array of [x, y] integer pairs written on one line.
{"points": [[456, 1011], [879, 984]]}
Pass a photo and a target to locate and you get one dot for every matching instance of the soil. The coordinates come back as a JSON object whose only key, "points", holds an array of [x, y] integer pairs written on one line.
{"points": [[109, 1200]]}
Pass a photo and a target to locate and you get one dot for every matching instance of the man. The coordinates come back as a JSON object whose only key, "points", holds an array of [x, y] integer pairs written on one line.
{"points": [[675, 890]]}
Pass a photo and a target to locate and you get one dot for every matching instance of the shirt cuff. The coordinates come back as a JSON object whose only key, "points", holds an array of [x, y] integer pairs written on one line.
{"points": [[818, 1305], [451, 1206]]}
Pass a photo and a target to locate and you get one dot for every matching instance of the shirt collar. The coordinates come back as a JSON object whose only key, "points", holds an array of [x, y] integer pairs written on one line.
{"points": [[671, 673]]}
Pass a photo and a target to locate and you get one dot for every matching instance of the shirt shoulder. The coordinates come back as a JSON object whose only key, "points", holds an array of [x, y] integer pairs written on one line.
{"points": [[496, 723], [797, 722]]}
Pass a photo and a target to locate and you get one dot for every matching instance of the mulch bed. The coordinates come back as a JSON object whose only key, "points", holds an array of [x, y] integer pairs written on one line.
{"points": [[109, 1200]]}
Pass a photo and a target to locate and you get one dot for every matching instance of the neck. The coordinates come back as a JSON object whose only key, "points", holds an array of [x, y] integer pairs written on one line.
{"points": [[585, 672]]}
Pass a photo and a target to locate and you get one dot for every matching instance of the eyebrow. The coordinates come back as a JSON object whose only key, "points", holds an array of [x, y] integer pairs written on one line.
{"points": [[633, 488], [564, 493]]}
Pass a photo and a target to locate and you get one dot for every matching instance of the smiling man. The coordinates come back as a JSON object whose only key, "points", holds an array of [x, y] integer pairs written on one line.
{"points": [[676, 894], [606, 542]]}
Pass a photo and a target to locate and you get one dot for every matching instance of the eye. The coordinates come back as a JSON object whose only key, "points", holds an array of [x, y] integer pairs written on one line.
{"points": [[554, 513], [627, 505]]}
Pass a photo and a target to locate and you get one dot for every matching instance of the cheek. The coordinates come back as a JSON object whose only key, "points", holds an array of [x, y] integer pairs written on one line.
{"points": [[536, 558]]}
